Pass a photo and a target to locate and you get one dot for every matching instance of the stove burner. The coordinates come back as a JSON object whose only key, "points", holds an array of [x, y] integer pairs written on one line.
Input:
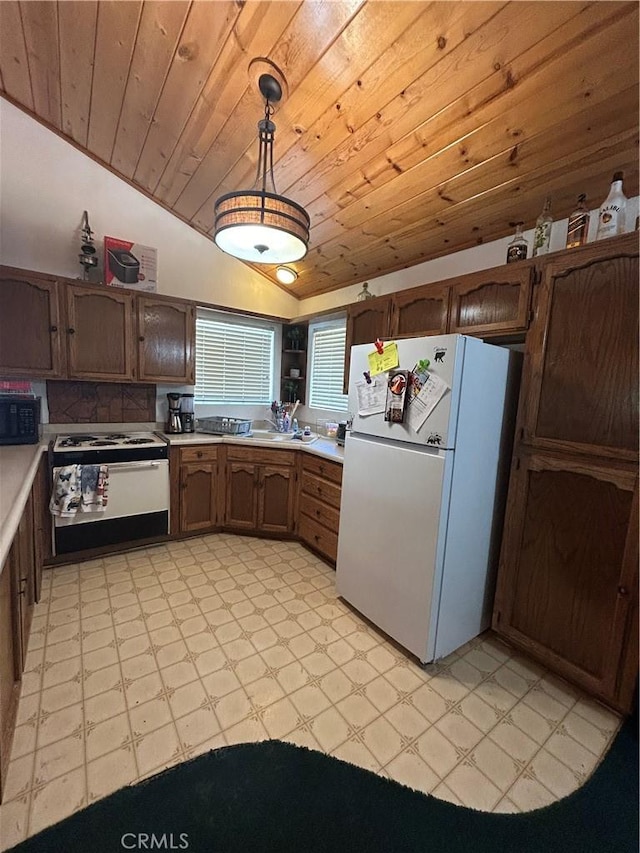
{"points": [[102, 443], [138, 441], [76, 440], [115, 435]]}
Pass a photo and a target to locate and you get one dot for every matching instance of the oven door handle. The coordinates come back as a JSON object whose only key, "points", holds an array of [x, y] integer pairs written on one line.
{"points": [[134, 466]]}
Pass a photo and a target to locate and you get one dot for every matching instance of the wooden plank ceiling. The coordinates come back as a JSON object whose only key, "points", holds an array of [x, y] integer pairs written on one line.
{"points": [[409, 130]]}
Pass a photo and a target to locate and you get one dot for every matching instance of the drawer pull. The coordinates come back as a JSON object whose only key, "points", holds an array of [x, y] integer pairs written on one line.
{"points": [[622, 590], [141, 338], [53, 329], [71, 331], [199, 454]]}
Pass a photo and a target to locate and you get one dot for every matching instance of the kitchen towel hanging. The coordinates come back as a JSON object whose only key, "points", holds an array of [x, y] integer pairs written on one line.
{"points": [[79, 488]]}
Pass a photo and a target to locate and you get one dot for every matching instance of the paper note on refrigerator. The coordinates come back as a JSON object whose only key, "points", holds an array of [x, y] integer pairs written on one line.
{"points": [[371, 396], [421, 406], [380, 363]]}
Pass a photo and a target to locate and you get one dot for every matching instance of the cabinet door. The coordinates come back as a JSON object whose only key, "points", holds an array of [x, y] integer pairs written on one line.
{"points": [[99, 334], [38, 352], [275, 499], [421, 311], [366, 321], [42, 520], [242, 495], [493, 301], [9, 656], [166, 341], [198, 482], [567, 581], [581, 370]]}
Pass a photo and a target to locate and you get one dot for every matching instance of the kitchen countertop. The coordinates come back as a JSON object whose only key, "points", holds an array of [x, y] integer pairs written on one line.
{"points": [[325, 447], [18, 467], [19, 464]]}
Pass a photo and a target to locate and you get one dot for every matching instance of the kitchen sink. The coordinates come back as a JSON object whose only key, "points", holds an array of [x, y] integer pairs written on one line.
{"points": [[270, 435]]}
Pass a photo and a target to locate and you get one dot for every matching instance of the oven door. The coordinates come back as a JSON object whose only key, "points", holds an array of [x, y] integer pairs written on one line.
{"points": [[137, 508]]}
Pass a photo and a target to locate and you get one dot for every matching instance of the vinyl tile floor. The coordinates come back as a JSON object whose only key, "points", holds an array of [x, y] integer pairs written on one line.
{"points": [[139, 661]]}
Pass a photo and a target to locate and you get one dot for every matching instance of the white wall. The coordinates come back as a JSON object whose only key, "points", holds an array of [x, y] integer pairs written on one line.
{"points": [[46, 184]]}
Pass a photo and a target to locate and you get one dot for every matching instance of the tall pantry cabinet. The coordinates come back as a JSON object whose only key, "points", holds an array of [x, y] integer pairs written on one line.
{"points": [[568, 578]]}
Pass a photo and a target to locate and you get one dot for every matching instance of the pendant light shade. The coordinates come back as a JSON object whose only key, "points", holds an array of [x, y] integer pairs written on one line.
{"points": [[259, 225]]}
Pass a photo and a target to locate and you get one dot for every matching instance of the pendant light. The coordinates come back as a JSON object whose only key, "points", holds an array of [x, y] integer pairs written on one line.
{"points": [[258, 225]]}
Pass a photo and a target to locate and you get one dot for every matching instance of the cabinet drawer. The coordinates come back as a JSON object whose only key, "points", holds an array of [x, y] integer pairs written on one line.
{"points": [[328, 516], [318, 537], [201, 453], [322, 490], [260, 457], [322, 468]]}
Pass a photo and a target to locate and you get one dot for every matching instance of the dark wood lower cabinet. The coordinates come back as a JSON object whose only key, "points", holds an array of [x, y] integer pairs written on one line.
{"points": [[319, 505], [260, 490], [568, 582], [242, 496], [199, 481], [18, 584]]}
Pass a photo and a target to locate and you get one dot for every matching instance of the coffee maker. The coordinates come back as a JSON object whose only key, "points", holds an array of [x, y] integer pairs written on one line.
{"points": [[187, 416], [174, 424]]}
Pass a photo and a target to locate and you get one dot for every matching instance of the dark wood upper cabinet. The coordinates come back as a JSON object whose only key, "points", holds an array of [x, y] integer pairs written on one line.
{"points": [[495, 301], [582, 371], [366, 321], [30, 331], [569, 570], [166, 341], [99, 334], [420, 311]]}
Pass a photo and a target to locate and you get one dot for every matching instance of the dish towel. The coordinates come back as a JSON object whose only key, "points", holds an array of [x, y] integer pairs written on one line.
{"points": [[79, 488]]}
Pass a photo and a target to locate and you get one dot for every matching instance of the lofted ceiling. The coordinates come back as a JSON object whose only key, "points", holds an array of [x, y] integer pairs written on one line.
{"points": [[409, 129]]}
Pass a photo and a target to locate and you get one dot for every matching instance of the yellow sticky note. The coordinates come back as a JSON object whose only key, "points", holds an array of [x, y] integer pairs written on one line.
{"points": [[387, 361]]}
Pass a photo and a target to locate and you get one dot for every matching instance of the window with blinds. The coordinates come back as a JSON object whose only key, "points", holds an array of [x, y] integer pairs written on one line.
{"points": [[327, 366], [234, 361]]}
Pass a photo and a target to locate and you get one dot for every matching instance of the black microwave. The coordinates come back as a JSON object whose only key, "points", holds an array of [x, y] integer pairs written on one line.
{"points": [[19, 420]]}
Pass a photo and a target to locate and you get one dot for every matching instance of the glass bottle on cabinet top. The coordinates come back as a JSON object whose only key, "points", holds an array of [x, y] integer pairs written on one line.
{"points": [[578, 226], [542, 234], [364, 293], [518, 248], [611, 219]]}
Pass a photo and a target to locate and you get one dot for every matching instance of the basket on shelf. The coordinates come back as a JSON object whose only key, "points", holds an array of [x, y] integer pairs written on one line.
{"points": [[224, 426]]}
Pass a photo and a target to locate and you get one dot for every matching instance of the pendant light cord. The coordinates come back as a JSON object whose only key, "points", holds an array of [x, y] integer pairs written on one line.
{"points": [[266, 131]]}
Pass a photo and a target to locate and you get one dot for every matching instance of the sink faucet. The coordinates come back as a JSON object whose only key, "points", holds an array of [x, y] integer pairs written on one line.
{"points": [[278, 426]]}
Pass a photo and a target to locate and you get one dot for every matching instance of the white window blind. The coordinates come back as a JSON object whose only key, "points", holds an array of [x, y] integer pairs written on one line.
{"points": [[327, 367], [234, 361]]}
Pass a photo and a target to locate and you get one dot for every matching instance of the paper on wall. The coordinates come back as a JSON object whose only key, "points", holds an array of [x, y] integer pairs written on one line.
{"points": [[371, 396], [421, 406]]}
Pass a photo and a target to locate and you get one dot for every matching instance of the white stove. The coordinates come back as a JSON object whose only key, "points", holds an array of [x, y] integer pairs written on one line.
{"points": [[136, 468]]}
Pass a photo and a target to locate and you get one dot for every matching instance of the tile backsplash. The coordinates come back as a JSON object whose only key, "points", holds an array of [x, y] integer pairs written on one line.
{"points": [[100, 402]]}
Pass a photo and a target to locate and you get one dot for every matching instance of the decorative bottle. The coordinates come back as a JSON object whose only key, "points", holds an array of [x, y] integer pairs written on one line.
{"points": [[364, 293], [542, 234], [518, 248], [578, 227], [611, 219]]}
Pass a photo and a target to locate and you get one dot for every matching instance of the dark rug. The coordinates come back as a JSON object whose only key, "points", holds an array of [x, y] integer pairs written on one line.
{"points": [[272, 796]]}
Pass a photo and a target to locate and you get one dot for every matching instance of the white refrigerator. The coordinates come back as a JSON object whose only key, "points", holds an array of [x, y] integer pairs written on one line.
{"points": [[422, 509]]}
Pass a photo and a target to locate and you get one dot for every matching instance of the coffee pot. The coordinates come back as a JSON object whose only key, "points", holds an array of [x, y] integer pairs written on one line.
{"points": [[187, 416], [174, 424]]}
